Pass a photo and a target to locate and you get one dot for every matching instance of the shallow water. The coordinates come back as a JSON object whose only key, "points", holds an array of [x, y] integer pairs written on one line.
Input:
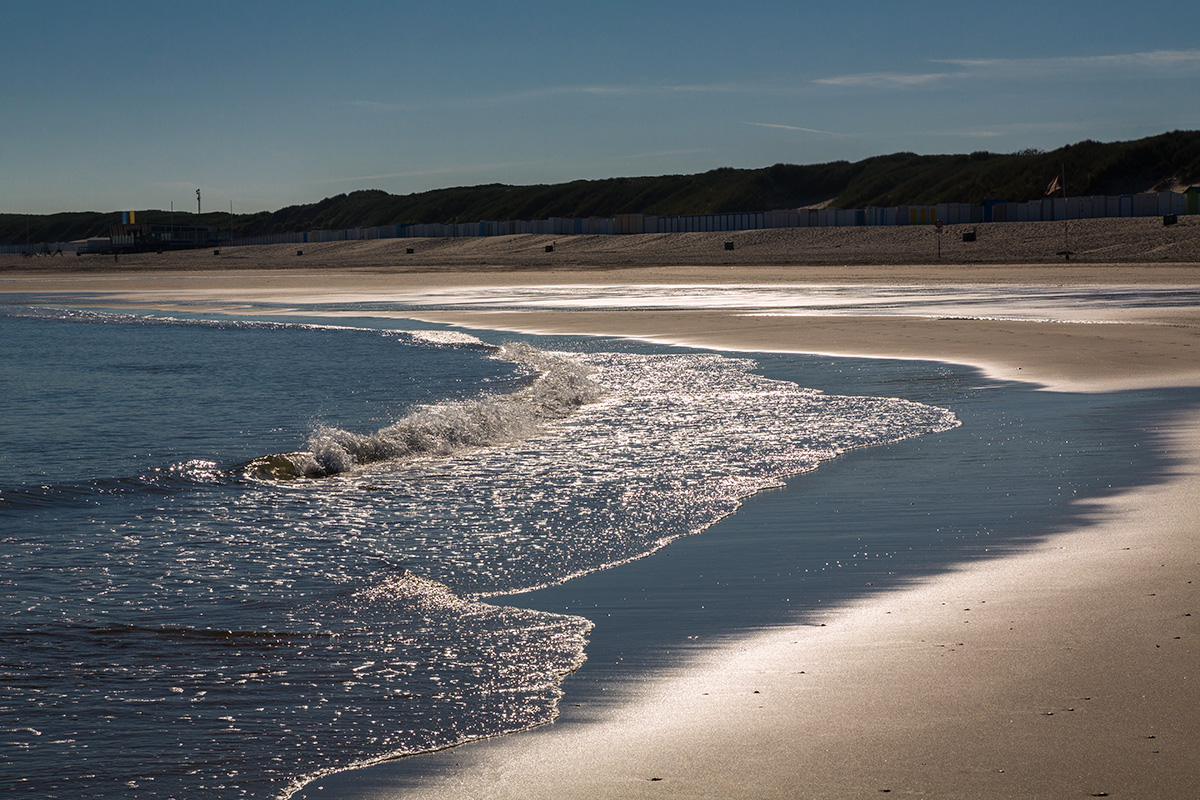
{"points": [[1022, 465], [177, 621]]}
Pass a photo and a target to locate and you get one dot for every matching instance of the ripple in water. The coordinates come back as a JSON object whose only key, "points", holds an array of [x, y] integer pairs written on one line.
{"points": [[236, 637]]}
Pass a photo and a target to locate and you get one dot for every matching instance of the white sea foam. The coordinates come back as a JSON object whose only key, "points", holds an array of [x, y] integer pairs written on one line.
{"points": [[445, 338], [560, 386], [675, 443]]}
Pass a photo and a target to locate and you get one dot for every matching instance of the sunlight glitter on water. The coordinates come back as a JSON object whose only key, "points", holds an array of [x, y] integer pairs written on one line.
{"points": [[252, 618]]}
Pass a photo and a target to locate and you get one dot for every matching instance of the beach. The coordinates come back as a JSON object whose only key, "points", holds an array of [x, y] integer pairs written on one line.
{"points": [[1066, 669]]}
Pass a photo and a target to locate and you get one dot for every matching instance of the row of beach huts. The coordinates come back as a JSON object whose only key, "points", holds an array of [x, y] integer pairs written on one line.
{"points": [[1149, 204]]}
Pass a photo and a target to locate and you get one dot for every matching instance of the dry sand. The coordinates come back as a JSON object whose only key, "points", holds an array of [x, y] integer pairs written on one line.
{"points": [[1068, 670]]}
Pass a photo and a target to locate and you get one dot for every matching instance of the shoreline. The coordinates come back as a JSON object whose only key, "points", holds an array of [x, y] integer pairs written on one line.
{"points": [[1057, 356], [905, 691], [1065, 669], [1145, 345]]}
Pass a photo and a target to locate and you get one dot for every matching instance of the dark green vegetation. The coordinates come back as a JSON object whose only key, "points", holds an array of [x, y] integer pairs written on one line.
{"points": [[1092, 168]]}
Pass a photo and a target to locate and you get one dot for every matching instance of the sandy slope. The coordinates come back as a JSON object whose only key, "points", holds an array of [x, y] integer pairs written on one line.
{"points": [[1097, 242]]}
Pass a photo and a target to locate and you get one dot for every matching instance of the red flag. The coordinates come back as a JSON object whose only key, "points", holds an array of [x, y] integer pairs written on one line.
{"points": [[1054, 186]]}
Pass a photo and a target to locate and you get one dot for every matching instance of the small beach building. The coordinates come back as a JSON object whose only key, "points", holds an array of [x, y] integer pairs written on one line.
{"points": [[142, 236]]}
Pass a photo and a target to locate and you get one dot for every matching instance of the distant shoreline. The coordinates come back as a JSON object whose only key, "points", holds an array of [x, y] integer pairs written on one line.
{"points": [[1093, 242], [1155, 344]]}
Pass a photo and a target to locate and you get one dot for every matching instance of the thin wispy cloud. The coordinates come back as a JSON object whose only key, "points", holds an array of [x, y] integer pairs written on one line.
{"points": [[1165, 62], [796, 128], [1152, 61], [876, 80], [653, 89], [1162, 62]]}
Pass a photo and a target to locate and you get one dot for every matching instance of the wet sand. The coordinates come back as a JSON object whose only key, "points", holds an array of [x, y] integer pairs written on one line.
{"points": [[1066, 670], [1069, 669]]}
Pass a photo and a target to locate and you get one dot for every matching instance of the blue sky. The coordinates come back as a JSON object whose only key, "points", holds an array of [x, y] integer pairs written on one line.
{"points": [[133, 105]]}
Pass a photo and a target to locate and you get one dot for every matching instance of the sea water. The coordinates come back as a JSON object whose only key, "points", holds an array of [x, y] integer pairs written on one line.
{"points": [[238, 554]]}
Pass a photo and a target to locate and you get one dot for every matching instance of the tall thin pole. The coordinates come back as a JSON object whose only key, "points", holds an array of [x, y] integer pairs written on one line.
{"points": [[1066, 239]]}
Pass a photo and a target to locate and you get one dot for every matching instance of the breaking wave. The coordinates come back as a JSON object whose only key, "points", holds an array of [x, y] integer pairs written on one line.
{"points": [[559, 385]]}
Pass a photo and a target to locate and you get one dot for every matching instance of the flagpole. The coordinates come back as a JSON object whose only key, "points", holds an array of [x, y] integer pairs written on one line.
{"points": [[1066, 239], [1060, 182]]}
